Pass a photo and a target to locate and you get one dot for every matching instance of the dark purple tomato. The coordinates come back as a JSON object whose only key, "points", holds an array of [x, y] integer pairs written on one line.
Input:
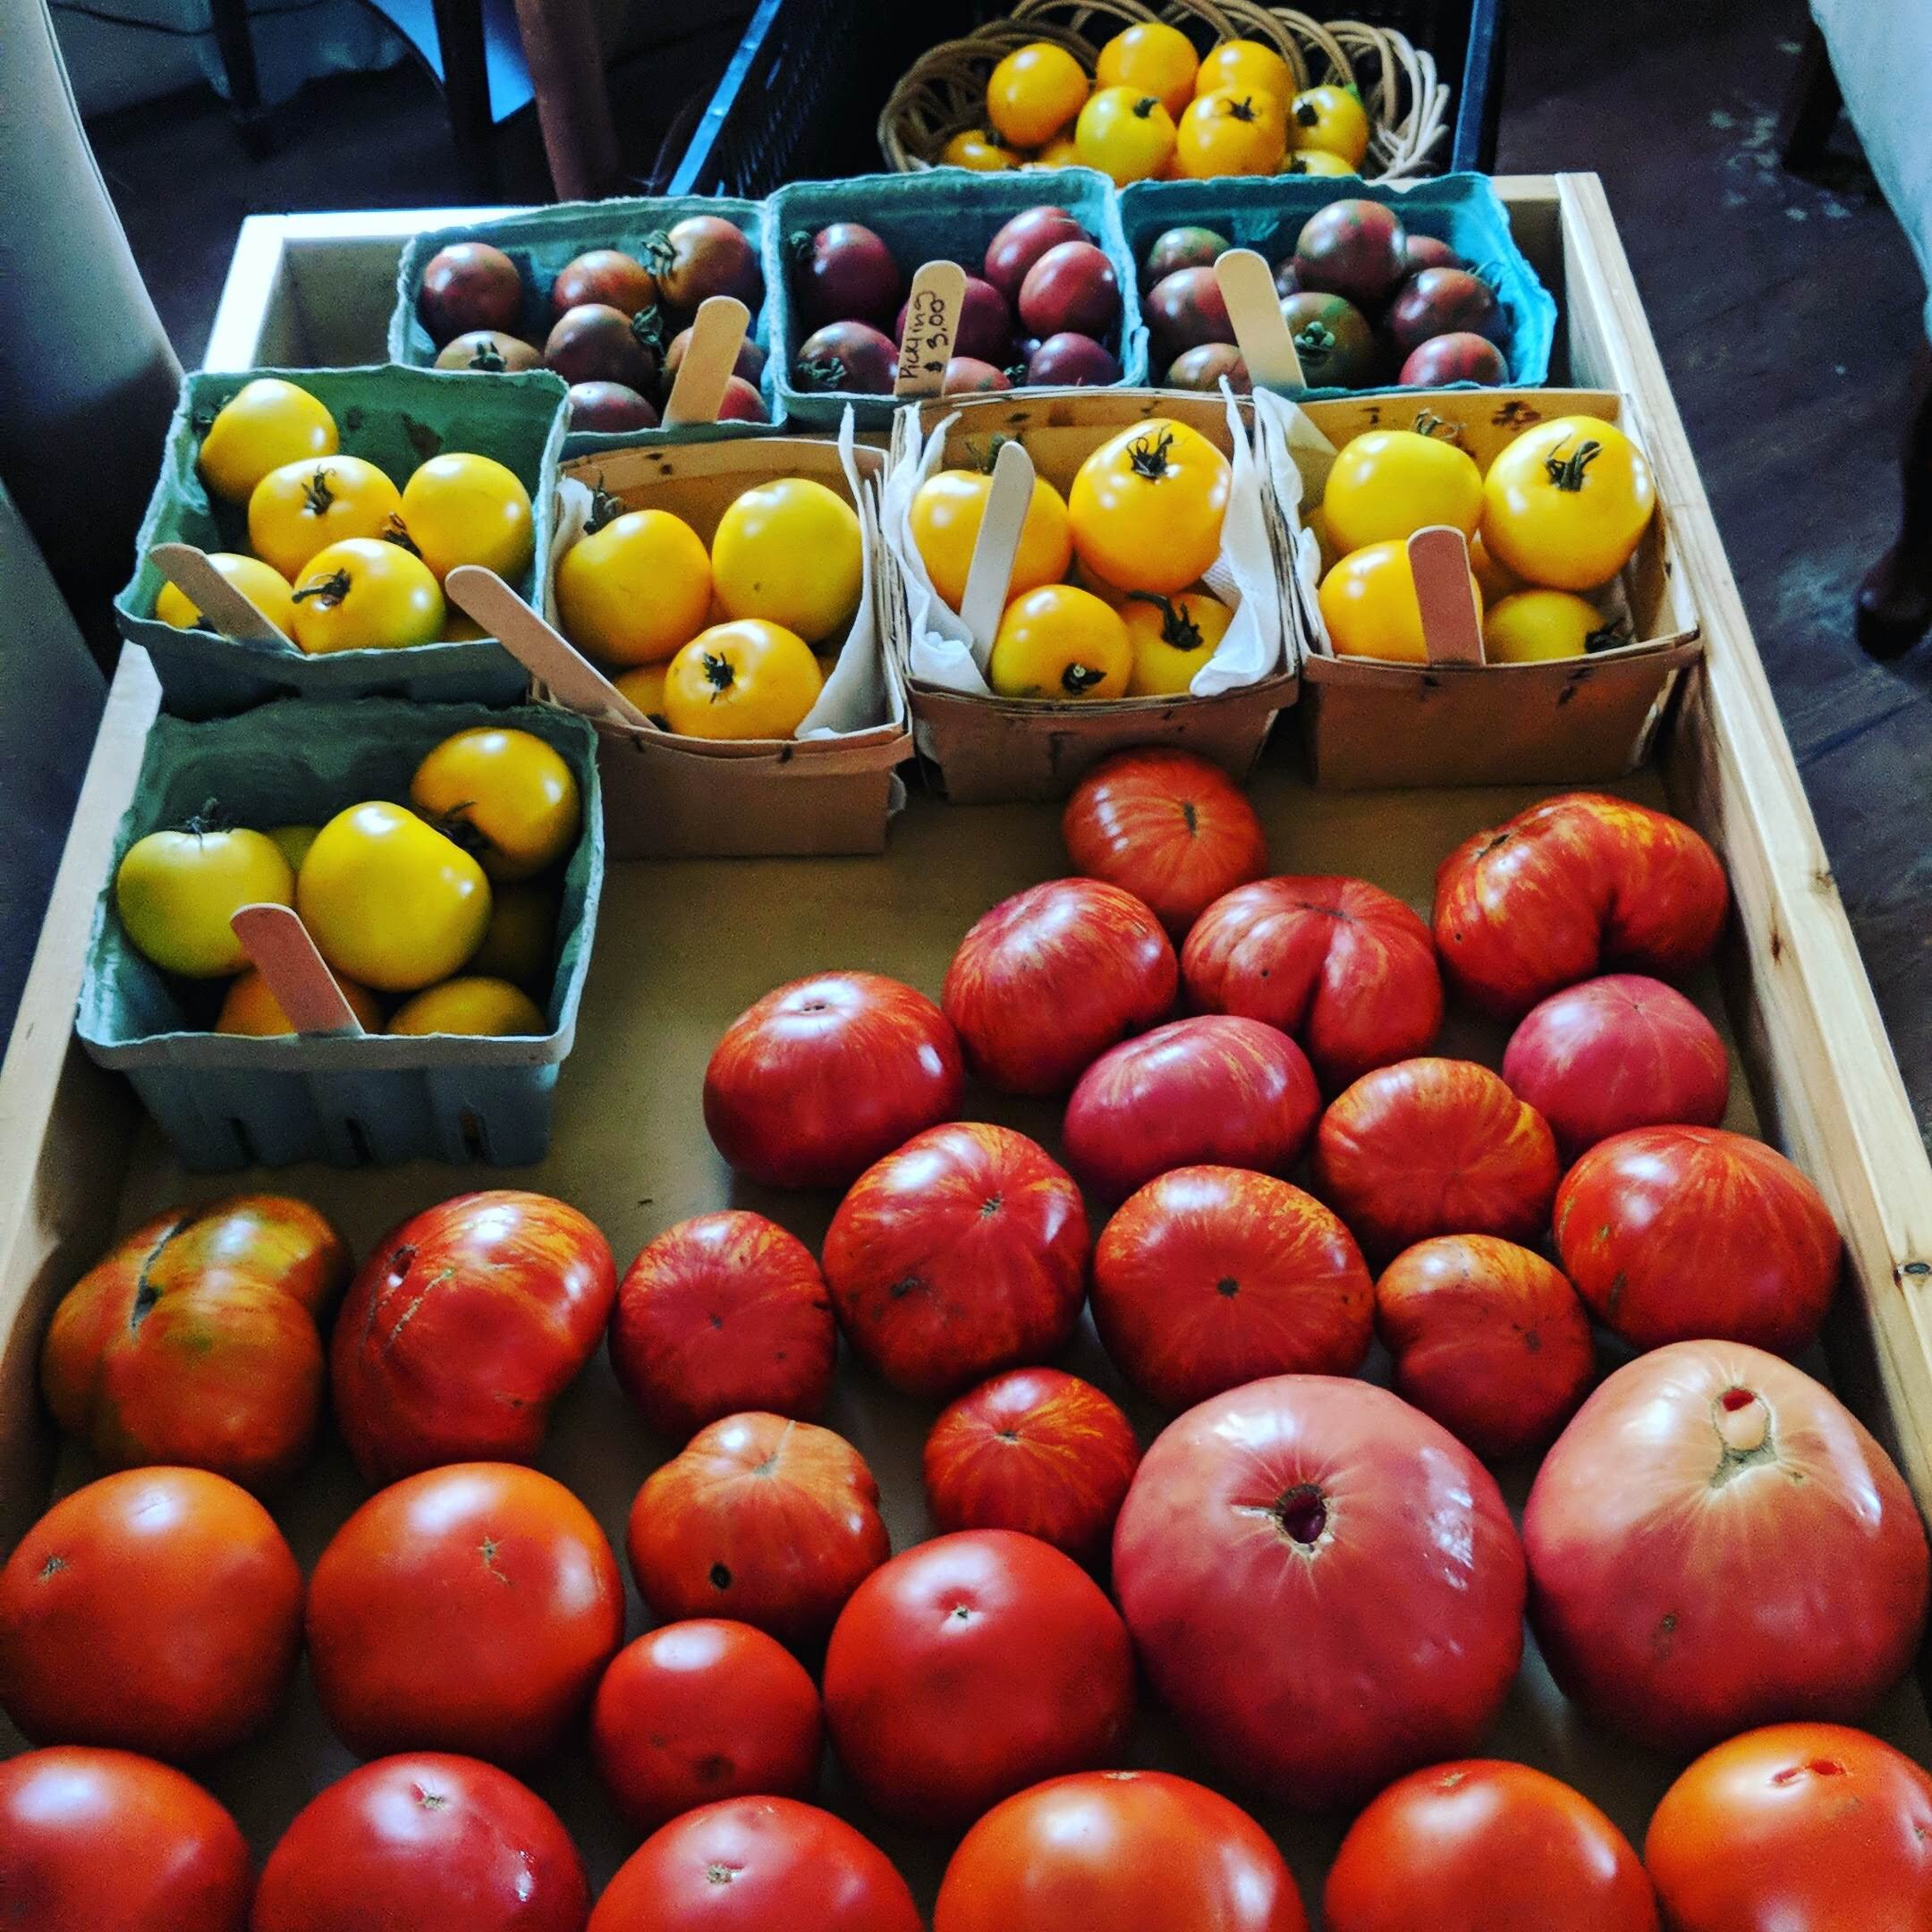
{"points": [[1202, 367], [1442, 302], [850, 356], [1072, 286], [968, 376], [604, 275], [1335, 345], [984, 330], [1071, 360], [609, 405], [742, 403], [469, 285], [1025, 348], [595, 342], [489, 350], [1287, 282], [1023, 241], [1459, 357], [1426, 251], [1185, 310], [750, 362], [700, 256], [1182, 247], [1352, 248], [846, 273]]}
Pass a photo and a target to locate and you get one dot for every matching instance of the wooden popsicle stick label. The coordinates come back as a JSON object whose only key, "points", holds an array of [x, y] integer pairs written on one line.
{"points": [[1254, 307], [278, 941], [1452, 628], [932, 326], [984, 599], [229, 610], [698, 389]]}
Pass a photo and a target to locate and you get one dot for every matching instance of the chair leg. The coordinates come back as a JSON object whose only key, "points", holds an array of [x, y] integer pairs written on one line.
{"points": [[459, 25], [1894, 602], [1811, 107], [237, 51]]}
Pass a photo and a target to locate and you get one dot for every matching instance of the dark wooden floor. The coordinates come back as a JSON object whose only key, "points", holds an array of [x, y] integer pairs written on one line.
{"points": [[1786, 312]]}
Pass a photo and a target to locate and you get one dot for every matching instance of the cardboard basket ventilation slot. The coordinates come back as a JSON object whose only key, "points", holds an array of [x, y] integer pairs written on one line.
{"points": [[1570, 720], [226, 1101]]}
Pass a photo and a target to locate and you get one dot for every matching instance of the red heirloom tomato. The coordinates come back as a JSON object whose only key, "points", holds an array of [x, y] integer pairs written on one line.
{"points": [[158, 1611], [1483, 1846], [194, 1339], [1611, 1054], [1050, 978], [1130, 1850], [816, 1080], [424, 1842], [469, 1608], [1035, 1450], [462, 1328], [1571, 887], [1486, 1337], [1212, 1088], [702, 1710], [1715, 1540], [1171, 828], [756, 1864], [1434, 1146], [1323, 1586], [102, 1841], [1209, 1278], [723, 1312], [1678, 1233], [963, 1253], [1799, 1828], [1344, 966], [970, 1667], [773, 1522]]}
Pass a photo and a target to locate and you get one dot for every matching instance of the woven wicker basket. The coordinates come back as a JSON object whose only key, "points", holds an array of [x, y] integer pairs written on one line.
{"points": [[1408, 107]]}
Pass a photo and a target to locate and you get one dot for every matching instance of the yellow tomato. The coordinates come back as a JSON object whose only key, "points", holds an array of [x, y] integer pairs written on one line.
{"points": [[792, 553], [1314, 161], [1172, 638], [1369, 603], [746, 679], [520, 938], [1330, 120], [292, 841], [250, 1007], [1127, 134], [1387, 484], [304, 507], [1248, 67], [979, 149], [1532, 625], [634, 590], [947, 509], [266, 589], [459, 627], [462, 509], [1152, 58], [176, 891], [389, 901], [645, 688], [471, 1004], [1060, 642], [366, 593], [264, 424], [1229, 133], [506, 796], [1566, 503], [1033, 93], [1146, 506], [1494, 581], [1060, 152]]}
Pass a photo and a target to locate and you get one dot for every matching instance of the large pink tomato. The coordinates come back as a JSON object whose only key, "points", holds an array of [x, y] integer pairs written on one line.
{"points": [[963, 1253], [1214, 1088], [1677, 1233], [1345, 967], [1323, 1584], [1716, 1542], [814, 1082], [1047, 981]]}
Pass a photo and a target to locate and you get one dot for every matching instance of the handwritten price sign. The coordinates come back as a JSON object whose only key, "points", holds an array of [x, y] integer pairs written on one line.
{"points": [[932, 322]]}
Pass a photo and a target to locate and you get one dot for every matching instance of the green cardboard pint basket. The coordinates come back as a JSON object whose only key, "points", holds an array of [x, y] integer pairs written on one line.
{"points": [[226, 1101]]}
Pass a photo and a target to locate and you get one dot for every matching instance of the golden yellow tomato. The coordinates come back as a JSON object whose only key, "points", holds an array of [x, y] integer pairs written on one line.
{"points": [[176, 891], [1229, 133], [1127, 134], [459, 627], [472, 1004], [1033, 93], [264, 424], [790, 552], [947, 509], [1314, 161], [1146, 507], [1060, 642], [1369, 603], [1566, 503], [303, 507], [250, 1007], [746, 679], [1152, 58], [1530, 626], [1172, 638], [1060, 152], [645, 688], [636, 590], [1387, 484], [979, 149], [1330, 120], [292, 841], [266, 589], [504, 795], [366, 593], [464, 509], [520, 939], [1248, 67], [1494, 581], [389, 901]]}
